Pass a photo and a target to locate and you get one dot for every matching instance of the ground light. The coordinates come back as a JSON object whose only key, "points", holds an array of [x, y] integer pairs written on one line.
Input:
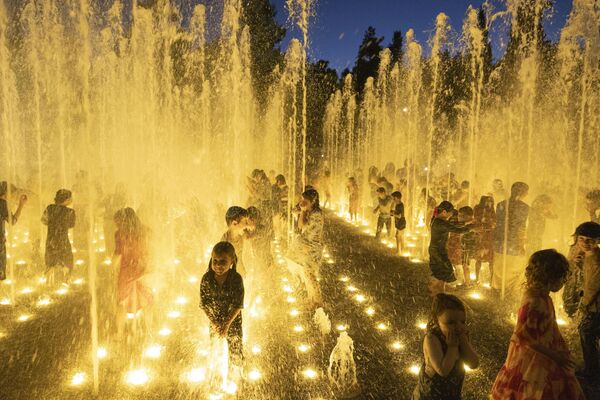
{"points": [[196, 375], [421, 325], [310, 373], [137, 377], [78, 379], [254, 375], [153, 351], [414, 369], [397, 345], [101, 353], [370, 311], [164, 332], [303, 348]]}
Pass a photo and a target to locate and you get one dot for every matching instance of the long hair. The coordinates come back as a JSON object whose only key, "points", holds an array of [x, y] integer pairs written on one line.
{"points": [[313, 196], [442, 302], [483, 201], [518, 189], [222, 249], [545, 267], [129, 224]]}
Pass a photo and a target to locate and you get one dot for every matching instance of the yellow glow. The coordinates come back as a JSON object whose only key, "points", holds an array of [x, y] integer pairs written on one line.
{"points": [[561, 322], [79, 262], [153, 351], [23, 317], [107, 261], [181, 300], [42, 280], [176, 261], [310, 373], [475, 295], [193, 279], [360, 298], [416, 260], [422, 325], [414, 369], [62, 291], [287, 289], [291, 299], [330, 261], [101, 353], [294, 312], [78, 379], [254, 375], [78, 281], [303, 348], [44, 302], [473, 276], [352, 288], [467, 368], [137, 377], [195, 375], [406, 254], [487, 285], [20, 262], [382, 326], [341, 327], [256, 349], [164, 332], [26, 290], [174, 314], [130, 315], [370, 311], [5, 301], [298, 328], [344, 279], [397, 345]]}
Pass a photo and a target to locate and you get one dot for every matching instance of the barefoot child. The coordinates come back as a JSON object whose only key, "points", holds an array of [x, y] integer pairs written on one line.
{"points": [[442, 271], [222, 299], [539, 364], [468, 243], [399, 220], [353, 197], [384, 205], [59, 218], [7, 217], [446, 350]]}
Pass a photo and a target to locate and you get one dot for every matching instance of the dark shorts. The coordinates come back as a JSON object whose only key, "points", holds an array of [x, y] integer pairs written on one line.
{"points": [[62, 258], [2, 261], [441, 268]]}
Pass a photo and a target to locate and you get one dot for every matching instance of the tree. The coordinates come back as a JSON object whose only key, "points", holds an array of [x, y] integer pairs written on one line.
{"points": [[395, 47], [265, 36], [367, 61]]}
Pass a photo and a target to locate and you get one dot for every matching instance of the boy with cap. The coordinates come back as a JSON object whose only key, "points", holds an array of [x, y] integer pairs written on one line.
{"points": [[587, 238]]}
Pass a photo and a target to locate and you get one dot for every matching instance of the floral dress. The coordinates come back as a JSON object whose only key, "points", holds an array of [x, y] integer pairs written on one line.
{"points": [[308, 246], [527, 374]]}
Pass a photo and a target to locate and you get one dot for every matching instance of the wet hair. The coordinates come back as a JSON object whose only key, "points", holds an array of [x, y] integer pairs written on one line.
{"points": [[465, 185], [327, 173], [484, 199], [3, 188], [280, 179], [128, 223], [222, 249], [255, 173], [466, 211], [588, 229], [545, 267], [442, 302], [541, 201], [352, 179], [444, 206], [380, 189], [62, 195], [518, 189], [253, 213], [397, 195], [593, 195], [235, 214], [313, 196]]}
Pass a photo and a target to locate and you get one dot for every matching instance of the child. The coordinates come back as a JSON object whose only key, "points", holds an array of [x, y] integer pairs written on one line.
{"points": [[384, 204], [237, 222], [541, 209], [399, 220], [588, 238], [260, 237], [222, 299], [353, 198], [59, 218], [442, 271], [7, 217], [539, 364], [131, 258], [468, 242], [485, 217], [446, 349]]}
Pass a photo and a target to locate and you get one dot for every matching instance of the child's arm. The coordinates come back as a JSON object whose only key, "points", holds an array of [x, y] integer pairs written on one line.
{"points": [[45, 217], [224, 327], [206, 303], [236, 307], [17, 214], [441, 363], [467, 353]]}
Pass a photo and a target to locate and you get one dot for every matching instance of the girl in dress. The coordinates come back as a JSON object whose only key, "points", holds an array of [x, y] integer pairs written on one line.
{"points": [[485, 218], [446, 350], [539, 365], [59, 218], [131, 258]]}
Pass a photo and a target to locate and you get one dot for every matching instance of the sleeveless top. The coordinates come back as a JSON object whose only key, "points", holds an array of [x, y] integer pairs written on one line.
{"points": [[437, 387]]}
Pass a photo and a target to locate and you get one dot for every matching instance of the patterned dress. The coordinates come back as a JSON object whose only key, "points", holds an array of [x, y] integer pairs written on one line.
{"points": [[308, 246], [131, 292], [527, 374]]}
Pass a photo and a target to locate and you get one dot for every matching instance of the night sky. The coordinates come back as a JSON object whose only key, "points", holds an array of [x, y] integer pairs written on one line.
{"points": [[339, 25]]}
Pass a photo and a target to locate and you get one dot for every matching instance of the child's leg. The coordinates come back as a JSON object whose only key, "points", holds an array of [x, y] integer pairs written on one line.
{"points": [[379, 226], [3, 258], [236, 349], [388, 227]]}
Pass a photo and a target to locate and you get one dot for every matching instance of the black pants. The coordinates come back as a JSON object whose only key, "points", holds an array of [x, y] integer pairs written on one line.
{"points": [[589, 333], [384, 219]]}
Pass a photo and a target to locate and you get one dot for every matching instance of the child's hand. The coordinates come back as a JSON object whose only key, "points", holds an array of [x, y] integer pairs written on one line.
{"points": [[23, 199], [453, 339], [223, 329]]}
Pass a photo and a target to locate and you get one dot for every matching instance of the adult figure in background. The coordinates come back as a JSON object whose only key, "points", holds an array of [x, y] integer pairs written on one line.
{"points": [[541, 209], [113, 203], [509, 238], [7, 217], [592, 205]]}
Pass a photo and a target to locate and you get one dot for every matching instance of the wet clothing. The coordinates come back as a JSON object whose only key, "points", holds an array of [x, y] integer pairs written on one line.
{"points": [[383, 207], [134, 259], [238, 245], [439, 263], [486, 218], [518, 212], [218, 302], [589, 328], [353, 198], [468, 246], [308, 246], [530, 375], [439, 387], [399, 218], [279, 198], [573, 290], [59, 220]]}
